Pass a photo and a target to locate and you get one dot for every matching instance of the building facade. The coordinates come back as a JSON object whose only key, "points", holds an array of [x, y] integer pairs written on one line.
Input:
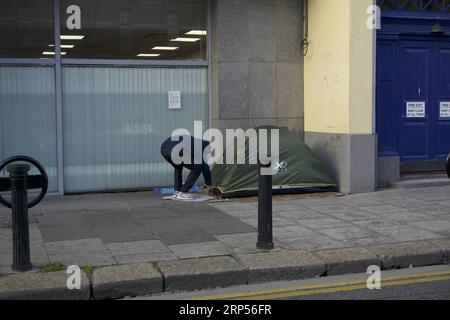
{"points": [[91, 88]]}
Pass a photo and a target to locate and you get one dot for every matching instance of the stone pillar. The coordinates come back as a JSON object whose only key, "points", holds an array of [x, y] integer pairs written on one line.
{"points": [[257, 65], [339, 92]]}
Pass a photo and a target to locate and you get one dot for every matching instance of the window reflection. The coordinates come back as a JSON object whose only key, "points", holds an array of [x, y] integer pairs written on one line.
{"points": [[144, 29], [26, 28]]}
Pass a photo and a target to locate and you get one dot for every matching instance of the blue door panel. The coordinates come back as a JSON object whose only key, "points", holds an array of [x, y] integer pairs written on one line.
{"points": [[443, 139], [385, 111], [415, 141], [414, 58], [441, 134], [413, 79]]}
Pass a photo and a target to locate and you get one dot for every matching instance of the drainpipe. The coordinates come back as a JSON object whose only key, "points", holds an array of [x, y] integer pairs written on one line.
{"points": [[305, 42]]}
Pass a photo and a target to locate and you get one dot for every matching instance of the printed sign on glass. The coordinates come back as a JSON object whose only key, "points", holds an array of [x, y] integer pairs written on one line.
{"points": [[174, 100], [444, 110], [415, 109]]}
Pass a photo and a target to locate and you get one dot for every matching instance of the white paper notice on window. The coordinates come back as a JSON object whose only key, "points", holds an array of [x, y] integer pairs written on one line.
{"points": [[445, 110], [415, 109], [174, 100]]}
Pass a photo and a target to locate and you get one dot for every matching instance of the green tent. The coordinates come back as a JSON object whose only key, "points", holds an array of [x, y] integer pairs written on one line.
{"points": [[298, 170]]}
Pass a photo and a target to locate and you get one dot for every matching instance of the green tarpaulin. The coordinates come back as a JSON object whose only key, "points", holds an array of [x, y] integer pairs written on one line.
{"points": [[299, 170]]}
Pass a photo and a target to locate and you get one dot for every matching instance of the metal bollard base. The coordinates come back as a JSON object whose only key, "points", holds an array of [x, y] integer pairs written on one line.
{"points": [[22, 268], [265, 246]]}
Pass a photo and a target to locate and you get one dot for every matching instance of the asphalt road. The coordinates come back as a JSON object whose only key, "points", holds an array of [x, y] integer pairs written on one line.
{"points": [[430, 283]]}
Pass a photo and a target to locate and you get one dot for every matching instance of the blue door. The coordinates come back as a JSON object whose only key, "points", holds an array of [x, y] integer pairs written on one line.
{"points": [[441, 100], [413, 96]]}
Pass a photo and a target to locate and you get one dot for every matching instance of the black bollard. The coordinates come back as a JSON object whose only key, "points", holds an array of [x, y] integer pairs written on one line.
{"points": [[19, 200], [265, 234]]}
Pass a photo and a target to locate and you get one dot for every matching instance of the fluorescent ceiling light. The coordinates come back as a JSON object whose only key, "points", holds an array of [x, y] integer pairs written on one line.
{"points": [[64, 46], [148, 55], [164, 48], [196, 33], [71, 37], [180, 39], [51, 53]]}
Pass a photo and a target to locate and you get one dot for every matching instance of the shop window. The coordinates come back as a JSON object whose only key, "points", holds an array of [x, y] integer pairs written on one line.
{"points": [[416, 5], [127, 29], [26, 28]]}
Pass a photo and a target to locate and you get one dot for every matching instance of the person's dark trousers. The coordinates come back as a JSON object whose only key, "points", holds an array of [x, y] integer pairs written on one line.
{"points": [[178, 172], [196, 171]]}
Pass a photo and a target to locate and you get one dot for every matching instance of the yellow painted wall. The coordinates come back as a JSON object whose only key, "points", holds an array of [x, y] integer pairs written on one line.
{"points": [[339, 68]]}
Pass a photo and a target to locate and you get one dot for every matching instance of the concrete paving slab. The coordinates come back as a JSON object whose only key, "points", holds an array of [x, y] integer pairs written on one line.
{"points": [[292, 232], [434, 210], [137, 247], [204, 273], [61, 206], [101, 218], [403, 255], [126, 280], [149, 257], [300, 214], [405, 216], [42, 286], [169, 224], [282, 265], [75, 218], [183, 237], [200, 249], [324, 223], [281, 222], [348, 260], [66, 232], [241, 242], [405, 233], [79, 252], [192, 215], [222, 226], [316, 242], [75, 246], [377, 223], [89, 258], [252, 222], [358, 201], [434, 225], [153, 213], [100, 204], [353, 215], [246, 214], [121, 233], [373, 241], [348, 233], [387, 208]]}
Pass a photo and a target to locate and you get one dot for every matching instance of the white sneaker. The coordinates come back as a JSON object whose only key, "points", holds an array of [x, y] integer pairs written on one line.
{"points": [[172, 197], [184, 196]]}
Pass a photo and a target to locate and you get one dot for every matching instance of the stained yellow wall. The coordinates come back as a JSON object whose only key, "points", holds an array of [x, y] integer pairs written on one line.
{"points": [[339, 68]]}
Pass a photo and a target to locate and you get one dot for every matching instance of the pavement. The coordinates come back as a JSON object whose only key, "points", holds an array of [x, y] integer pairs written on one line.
{"points": [[140, 244]]}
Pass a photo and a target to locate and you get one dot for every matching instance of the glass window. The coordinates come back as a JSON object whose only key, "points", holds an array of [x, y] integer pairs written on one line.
{"points": [[127, 29], [415, 5], [28, 116], [115, 120], [26, 28]]}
